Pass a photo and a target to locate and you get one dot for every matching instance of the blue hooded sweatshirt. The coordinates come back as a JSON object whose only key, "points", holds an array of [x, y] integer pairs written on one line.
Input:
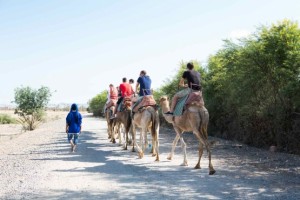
{"points": [[74, 119]]}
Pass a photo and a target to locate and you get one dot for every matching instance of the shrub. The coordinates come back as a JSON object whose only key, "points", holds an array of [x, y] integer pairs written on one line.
{"points": [[31, 105], [6, 119]]}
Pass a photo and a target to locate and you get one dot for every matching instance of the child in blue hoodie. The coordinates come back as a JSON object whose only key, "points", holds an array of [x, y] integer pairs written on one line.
{"points": [[73, 126]]}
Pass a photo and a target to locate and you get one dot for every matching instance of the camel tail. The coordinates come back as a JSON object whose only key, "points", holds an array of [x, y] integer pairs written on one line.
{"points": [[128, 123], [154, 124], [204, 116]]}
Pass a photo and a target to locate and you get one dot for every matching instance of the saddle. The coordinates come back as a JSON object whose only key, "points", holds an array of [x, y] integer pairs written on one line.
{"points": [[195, 99], [192, 99], [147, 100], [125, 104]]}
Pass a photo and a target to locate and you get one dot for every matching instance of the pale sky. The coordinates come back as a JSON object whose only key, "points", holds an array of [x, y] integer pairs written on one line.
{"points": [[78, 47]]}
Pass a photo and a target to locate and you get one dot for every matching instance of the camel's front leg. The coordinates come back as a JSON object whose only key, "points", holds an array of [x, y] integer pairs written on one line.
{"points": [[134, 141], [170, 156], [183, 146]]}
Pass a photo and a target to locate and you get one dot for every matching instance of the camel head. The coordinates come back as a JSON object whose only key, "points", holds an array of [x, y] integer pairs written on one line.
{"points": [[163, 100], [164, 103]]}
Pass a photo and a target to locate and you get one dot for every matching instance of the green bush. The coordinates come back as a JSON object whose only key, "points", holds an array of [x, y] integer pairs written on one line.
{"points": [[96, 104], [31, 105], [6, 119]]}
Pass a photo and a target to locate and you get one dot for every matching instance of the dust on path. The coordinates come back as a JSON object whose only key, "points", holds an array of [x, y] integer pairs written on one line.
{"points": [[39, 164]]}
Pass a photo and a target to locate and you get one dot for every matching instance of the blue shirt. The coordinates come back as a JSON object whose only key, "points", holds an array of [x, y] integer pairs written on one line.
{"points": [[145, 85]]}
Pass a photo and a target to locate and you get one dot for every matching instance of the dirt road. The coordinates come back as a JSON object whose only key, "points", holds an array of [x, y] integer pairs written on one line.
{"points": [[39, 165]]}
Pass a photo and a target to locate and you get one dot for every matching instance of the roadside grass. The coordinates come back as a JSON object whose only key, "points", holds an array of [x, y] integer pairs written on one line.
{"points": [[6, 119]]}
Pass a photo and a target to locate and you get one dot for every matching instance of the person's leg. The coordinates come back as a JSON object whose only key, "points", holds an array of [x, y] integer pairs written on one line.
{"points": [[70, 136], [75, 142], [177, 96], [116, 108]]}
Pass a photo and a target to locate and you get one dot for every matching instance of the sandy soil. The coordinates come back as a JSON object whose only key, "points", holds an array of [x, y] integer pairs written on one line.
{"points": [[39, 164]]}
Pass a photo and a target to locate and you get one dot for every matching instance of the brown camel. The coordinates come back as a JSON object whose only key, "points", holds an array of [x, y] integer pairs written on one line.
{"points": [[146, 119], [194, 119], [110, 123], [124, 117]]}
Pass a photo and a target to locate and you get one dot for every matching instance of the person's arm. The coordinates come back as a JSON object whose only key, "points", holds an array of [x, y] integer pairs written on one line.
{"points": [[181, 82], [79, 121], [137, 86], [67, 128]]}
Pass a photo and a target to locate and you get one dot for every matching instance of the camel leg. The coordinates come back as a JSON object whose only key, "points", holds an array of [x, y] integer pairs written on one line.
{"points": [[139, 150], [207, 146], [131, 139], [156, 145], [153, 148], [183, 146], [210, 166], [200, 155], [156, 138], [170, 156], [126, 143]]}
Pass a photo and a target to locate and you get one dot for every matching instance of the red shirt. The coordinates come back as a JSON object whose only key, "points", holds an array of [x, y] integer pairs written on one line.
{"points": [[113, 93], [126, 89]]}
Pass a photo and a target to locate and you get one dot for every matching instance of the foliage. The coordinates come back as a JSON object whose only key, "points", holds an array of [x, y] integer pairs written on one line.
{"points": [[253, 88], [96, 104], [6, 119], [30, 105]]}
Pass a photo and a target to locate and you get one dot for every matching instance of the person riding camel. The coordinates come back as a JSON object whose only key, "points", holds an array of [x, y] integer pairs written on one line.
{"points": [[112, 96], [131, 82], [126, 91], [144, 82], [193, 85]]}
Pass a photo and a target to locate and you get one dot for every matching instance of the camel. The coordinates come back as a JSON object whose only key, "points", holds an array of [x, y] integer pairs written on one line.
{"points": [[108, 113], [194, 119], [146, 119], [124, 117]]}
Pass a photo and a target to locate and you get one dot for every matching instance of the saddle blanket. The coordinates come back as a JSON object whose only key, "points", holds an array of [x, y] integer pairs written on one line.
{"points": [[147, 100], [193, 98]]}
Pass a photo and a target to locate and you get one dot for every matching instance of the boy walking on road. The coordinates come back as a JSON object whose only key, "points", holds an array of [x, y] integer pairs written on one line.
{"points": [[73, 126]]}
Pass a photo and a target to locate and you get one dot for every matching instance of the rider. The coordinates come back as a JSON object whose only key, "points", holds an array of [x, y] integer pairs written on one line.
{"points": [[193, 85], [144, 82], [112, 96], [126, 91], [131, 82]]}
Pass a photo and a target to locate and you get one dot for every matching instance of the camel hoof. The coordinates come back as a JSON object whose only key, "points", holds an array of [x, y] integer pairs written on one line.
{"points": [[184, 164], [109, 137], [197, 166], [114, 141], [169, 157], [133, 150], [212, 172], [125, 148], [157, 159], [154, 154], [141, 155]]}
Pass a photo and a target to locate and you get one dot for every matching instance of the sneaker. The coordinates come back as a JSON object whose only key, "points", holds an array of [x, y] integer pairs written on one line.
{"points": [[169, 113]]}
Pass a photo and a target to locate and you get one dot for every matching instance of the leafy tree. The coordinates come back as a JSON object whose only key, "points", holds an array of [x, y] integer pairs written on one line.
{"points": [[96, 104], [30, 105], [253, 87]]}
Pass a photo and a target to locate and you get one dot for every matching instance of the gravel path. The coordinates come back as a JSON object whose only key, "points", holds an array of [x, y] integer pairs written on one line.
{"points": [[39, 165]]}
